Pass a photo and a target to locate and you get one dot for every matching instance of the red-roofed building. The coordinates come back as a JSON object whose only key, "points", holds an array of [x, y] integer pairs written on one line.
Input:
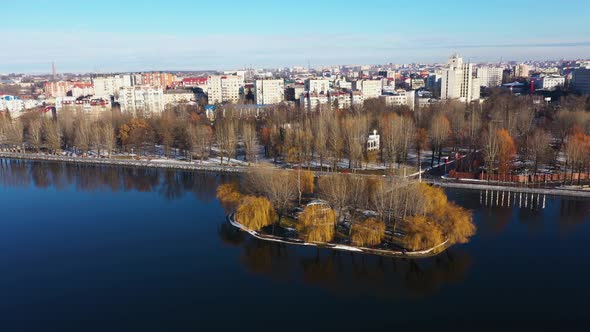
{"points": [[195, 82]]}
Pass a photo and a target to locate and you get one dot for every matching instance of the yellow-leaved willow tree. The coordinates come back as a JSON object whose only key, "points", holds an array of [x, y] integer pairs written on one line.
{"points": [[317, 223], [229, 195], [255, 213], [369, 232], [437, 221]]}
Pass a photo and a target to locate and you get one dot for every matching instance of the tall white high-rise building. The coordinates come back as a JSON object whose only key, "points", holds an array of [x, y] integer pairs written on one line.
{"points": [[268, 92], [223, 89], [457, 81], [489, 77]]}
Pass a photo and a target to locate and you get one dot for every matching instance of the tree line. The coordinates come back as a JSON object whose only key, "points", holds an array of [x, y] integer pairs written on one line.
{"points": [[505, 129]]}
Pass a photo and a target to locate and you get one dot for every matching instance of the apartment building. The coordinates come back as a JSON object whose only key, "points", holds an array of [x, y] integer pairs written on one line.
{"points": [[549, 83], [268, 92], [521, 70], [158, 79], [293, 92], [369, 88], [581, 80], [89, 105], [457, 81], [144, 98], [110, 85], [310, 101], [400, 98], [178, 96], [223, 89], [65, 88], [490, 77], [316, 85], [195, 82]]}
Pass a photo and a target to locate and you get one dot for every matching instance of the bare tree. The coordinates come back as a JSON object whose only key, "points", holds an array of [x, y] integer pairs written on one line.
{"points": [[334, 141], [107, 137], [491, 147], [83, 138], [354, 131], [51, 135], [250, 141], [439, 132], [538, 148], [35, 133], [335, 189], [280, 187], [320, 129], [225, 135]]}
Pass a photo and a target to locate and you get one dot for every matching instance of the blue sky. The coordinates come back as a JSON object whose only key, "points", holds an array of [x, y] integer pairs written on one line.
{"points": [[108, 35]]}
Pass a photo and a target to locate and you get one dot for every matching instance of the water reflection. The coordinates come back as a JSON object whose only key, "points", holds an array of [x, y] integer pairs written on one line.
{"points": [[171, 185], [347, 274], [340, 273]]}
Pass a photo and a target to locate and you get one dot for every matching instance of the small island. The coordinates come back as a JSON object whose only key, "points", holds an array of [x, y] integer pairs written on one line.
{"points": [[385, 216]]}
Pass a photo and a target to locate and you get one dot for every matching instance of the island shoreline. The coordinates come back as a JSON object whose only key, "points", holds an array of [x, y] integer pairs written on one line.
{"points": [[339, 247]]}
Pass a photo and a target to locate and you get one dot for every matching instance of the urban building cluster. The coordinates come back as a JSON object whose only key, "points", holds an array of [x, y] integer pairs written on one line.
{"points": [[334, 87]]}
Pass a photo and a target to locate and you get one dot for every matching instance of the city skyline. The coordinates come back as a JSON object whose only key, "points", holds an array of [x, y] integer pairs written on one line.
{"points": [[112, 36]]}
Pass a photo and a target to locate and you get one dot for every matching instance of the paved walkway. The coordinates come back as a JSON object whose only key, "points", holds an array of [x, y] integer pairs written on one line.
{"points": [[556, 191], [195, 166]]}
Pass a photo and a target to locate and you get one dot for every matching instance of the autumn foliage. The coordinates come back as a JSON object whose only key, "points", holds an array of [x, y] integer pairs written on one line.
{"points": [[507, 150], [369, 232], [229, 195], [422, 234], [438, 221], [307, 182], [317, 223], [135, 131], [255, 213]]}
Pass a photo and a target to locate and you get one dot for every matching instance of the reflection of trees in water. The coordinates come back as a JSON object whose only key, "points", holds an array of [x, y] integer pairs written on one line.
{"points": [[494, 220], [573, 212], [532, 219], [201, 184], [40, 176], [349, 274], [231, 235], [14, 173], [140, 179], [170, 184], [448, 268], [267, 258]]}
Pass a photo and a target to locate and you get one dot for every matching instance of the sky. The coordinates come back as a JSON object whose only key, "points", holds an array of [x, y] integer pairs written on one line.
{"points": [[123, 35]]}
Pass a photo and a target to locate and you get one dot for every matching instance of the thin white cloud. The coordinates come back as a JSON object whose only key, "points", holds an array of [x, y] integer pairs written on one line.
{"points": [[92, 51]]}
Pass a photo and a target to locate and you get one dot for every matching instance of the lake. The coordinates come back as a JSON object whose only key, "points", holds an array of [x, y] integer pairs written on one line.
{"points": [[85, 248]]}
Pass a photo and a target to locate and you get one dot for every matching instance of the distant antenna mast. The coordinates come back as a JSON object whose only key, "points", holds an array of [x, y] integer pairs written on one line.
{"points": [[53, 71]]}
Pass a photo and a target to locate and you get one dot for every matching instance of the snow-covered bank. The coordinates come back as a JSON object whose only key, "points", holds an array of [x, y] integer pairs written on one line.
{"points": [[161, 163], [388, 253]]}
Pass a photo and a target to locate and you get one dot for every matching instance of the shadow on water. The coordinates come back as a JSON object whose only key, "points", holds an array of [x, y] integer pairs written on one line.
{"points": [[347, 274]]}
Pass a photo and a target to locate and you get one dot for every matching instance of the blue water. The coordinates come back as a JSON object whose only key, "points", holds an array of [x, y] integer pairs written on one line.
{"points": [[116, 249]]}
